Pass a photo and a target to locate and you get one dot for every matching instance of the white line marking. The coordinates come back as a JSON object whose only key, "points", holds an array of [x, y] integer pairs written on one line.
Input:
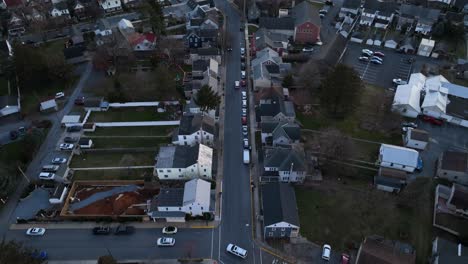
{"points": [[261, 258], [219, 243], [253, 251], [212, 231]]}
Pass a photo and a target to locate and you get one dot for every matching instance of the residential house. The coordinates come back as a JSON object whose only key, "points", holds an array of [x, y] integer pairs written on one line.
{"points": [[85, 143], [194, 129], [268, 69], [280, 133], [453, 166], [192, 108], [451, 205], [79, 9], [284, 164], [306, 23], [426, 47], [9, 105], [399, 158], [350, 8], [445, 251], [280, 216], [16, 25], [137, 41], [204, 54], [32, 14], [264, 38], [132, 3], [408, 45], [60, 10], [253, 12], [199, 67], [96, 104], [419, 18], [49, 105], [172, 204], [184, 162], [378, 13], [284, 25], [390, 180], [110, 6], [378, 250], [416, 138], [12, 4], [275, 108], [407, 97]]}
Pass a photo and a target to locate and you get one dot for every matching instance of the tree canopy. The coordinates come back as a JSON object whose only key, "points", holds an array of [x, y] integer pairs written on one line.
{"points": [[156, 17], [14, 252], [207, 99], [339, 92]]}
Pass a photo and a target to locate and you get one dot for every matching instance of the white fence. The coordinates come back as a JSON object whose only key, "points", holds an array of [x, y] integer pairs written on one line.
{"points": [[141, 104], [137, 124]]}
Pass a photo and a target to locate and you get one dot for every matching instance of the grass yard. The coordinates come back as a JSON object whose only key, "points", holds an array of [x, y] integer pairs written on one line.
{"points": [[129, 142], [128, 174], [129, 115], [342, 215], [113, 159], [132, 131], [4, 87], [252, 29]]}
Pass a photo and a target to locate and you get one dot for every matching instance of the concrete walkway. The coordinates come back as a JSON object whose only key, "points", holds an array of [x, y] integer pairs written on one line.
{"points": [[102, 195]]}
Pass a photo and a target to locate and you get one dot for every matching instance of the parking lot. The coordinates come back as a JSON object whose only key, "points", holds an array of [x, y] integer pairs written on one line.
{"points": [[395, 65]]}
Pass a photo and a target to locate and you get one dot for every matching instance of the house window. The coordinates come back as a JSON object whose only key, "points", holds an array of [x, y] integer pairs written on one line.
{"points": [[204, 170], [185, 137], [165, 176], [270, 234], [198, 133], [180, 170], [391, 164], [273, 229], [192, 170], [181, 176], [196, 137], [168, 170], [283, 229], [202, 207], [204, 175], [445, 173], [207, 137], [161, 170], [167, 209], [283, 234], [455, 177], [190, 208], [180, 208]]}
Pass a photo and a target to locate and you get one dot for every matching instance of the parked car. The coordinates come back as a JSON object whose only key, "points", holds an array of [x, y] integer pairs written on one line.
{"points": [[229, 49], [244, 120], [70, 139], [35, 231], [326, 252], [364, 59], [307, 49], [73, 128], [246, 143], [244, 112], [345, 258], [166, 242], [242, 66], [66, 146], [242, 57], [409, 124], [243, 83], [50, 168], [379, 54], [376, 58], [242, 51], [243, 76], [79, 100], [368, 51], [124, 230], [59, 95], [236, 84], [433, 120], [399, 82], [378, 62], [59, 160], [236, 250], [169, 230], [244, 103], [245, 131], [101, 230], [244, 95], [47, 176]]}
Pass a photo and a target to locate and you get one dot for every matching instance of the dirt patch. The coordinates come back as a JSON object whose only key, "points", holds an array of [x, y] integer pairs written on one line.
{"points": [[85, 192]]}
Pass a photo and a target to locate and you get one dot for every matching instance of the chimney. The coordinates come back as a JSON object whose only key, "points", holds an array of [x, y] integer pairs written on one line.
{"points": [[459, 250]]}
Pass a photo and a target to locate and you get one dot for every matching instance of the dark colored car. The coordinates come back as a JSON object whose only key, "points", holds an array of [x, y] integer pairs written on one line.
{"points": [[433, 120], [42, 255], [14, 134], [244, 120], [124, 230], [70, 139], [243, 83], [101, 230], [243, 66], [79, 100], [73, 128]]}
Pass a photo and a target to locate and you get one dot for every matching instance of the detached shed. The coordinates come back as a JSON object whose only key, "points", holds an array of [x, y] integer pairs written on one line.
{"points": [[70, 119], [416, 138], [399, 158], [85, 143], [49, 105]]}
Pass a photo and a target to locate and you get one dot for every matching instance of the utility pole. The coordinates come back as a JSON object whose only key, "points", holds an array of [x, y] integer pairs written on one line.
{"points": [[24, 175]]}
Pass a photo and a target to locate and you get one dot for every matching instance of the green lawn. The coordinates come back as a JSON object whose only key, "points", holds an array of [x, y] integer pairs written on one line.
{"points": [[342, 215], [113, 159], [127, 174], [129, 115], [4, 87], [252, 29], [132, 131], [129, 142]]}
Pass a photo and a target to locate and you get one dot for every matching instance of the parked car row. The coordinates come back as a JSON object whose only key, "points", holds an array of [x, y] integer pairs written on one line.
{"points": [[371, 56]]}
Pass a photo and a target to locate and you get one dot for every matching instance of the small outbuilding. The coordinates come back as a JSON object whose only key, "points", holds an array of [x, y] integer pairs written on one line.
{"points": [[399, 158], [425, 47], [85, 143], [416, 138], [49, 105], [70, 120]]}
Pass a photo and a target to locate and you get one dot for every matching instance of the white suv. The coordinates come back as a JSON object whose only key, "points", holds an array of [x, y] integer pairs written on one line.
{"points": [[233, 249], [326, 252]]}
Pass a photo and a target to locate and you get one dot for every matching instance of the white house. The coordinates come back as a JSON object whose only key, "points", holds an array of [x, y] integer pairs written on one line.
{"points": [[110, 5], [407, 97], [400, 158], [194, 129], [453, 166], [416, 138], [426, 47], [280, 133], [285, 164], [172, 204], [60, 10], [184, 162]]}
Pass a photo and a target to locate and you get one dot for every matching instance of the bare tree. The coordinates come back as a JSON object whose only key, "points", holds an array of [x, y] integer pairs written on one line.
{"points": [[335, 149]]}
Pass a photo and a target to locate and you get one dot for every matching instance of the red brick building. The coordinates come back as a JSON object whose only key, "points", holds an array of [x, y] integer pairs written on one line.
{"points": [[306, 23]]}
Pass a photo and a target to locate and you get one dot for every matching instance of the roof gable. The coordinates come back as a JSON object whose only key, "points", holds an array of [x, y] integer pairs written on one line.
{"points": [[306, 12], [279, 204]]}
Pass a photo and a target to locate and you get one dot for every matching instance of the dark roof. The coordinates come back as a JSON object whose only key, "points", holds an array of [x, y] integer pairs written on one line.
{"points": [[392, 173], [208, 33], [211, 51], [273, 68], [8, 100], [177, 156], [384, 8], [394, 183], [289, 130], [200, 65], [306, 12], [170, 197], [84, 141], [284, 23], [352, 4], [92, 102], [455, 161], [165, 214], [419, 12], [420, 135], [196, 21], [13, 3], [268, 126], [74, 52], [447, 252], [279, 204], [454, 17], [191, 123], [459, 197], [284, 159], [61, 5], [377, 250]]}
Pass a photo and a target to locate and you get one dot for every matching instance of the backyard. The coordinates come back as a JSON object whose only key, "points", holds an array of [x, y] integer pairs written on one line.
{"points": [[133, 131], [113, 159], [133, 114], [343, 214], [129, 142], [124, 174]]}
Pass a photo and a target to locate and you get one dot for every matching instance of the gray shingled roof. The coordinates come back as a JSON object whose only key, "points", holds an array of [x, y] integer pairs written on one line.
{"points": [[384, 8], [352, 4], [306, 12], [191, 123], [170, 197], [289, 130], [447, 252], [419, 12], [279, 204], [268, 126], [200, 65], [8, 100], [284, 23], [177, 156], [284, 159]]}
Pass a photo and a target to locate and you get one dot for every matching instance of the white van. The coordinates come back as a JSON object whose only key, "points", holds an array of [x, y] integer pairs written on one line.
{"points": [[46, 176], [326, 252], [240, 252], [50, 168]]}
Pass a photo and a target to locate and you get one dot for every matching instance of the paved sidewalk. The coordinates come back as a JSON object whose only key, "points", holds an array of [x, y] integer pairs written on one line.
{"points": [[141, 261]]}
